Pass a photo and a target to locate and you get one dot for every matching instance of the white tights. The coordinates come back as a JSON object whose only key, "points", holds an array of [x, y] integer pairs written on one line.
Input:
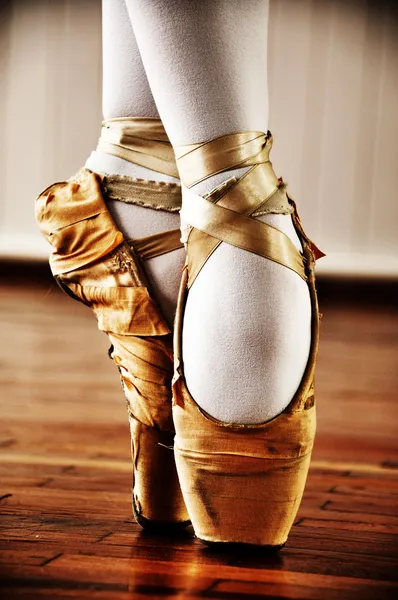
{"points": [[126, 93], [246, 330]]}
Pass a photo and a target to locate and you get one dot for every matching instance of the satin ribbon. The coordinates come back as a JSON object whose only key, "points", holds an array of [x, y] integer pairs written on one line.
{"points": [[196, 162], [142, 141], [93, 264], [227, 217]]}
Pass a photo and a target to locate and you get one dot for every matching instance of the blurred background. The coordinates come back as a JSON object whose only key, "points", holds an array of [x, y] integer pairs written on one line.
{"points": [[65, 472], [333, 80]]}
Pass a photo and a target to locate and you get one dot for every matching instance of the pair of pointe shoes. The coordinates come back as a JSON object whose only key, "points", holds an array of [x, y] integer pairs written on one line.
{"points": [[235, 483]]}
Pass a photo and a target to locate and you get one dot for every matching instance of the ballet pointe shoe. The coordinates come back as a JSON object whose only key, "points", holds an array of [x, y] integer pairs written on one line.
{"points": [[241, 484], [94, 264]]}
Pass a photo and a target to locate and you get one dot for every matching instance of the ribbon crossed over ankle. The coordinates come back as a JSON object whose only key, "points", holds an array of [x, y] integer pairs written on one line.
{"points": [[226, 214], [142, 141]]}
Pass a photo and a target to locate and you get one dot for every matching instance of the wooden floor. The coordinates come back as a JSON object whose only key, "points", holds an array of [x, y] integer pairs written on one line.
{"points": [[66, 529]]}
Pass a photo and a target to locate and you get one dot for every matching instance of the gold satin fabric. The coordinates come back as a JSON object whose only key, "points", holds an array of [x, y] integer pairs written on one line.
{"points": [[142, 141], [227, 225], [196, 162], [157, 244], [94, 264], [158, 195], [230, 217], [64, 230], [157, 498], [241, 484]]}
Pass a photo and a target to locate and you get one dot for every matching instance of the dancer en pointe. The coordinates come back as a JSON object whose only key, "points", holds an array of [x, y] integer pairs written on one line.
{"points": [[247, 318], [114, 228]]}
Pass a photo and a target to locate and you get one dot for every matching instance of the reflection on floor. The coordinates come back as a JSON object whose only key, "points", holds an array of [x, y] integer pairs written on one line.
{"points": [[66, 529]]}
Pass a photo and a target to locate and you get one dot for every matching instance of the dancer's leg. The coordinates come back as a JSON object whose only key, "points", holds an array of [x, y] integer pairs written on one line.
{"points": [[126, 93], [94, 262], [246, 331], [125, 87]]}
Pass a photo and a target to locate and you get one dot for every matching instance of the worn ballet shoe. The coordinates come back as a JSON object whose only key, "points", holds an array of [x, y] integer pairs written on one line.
{"points": [[242, 484], [94, 264]]}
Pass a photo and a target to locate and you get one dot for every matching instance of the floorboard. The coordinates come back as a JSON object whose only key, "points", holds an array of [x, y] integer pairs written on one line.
{"points": [[66, 529]]}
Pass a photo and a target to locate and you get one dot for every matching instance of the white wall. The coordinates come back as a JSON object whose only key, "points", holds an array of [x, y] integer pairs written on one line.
{"points": [[50, 106], [334, 115]]}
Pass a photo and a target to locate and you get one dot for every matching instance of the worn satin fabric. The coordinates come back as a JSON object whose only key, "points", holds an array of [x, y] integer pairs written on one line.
{"points": [[142, 141], [93, 220], [230, 218], [196, 162], [241, 483], [94, 264], [157, 244], [158, 195]]}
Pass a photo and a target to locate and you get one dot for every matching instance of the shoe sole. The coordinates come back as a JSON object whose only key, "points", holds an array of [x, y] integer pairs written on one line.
{"points": [[238, 546], [159, 527]]}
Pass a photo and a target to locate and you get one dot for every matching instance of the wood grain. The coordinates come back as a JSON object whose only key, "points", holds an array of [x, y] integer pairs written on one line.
{"points": [[66, 529]]}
